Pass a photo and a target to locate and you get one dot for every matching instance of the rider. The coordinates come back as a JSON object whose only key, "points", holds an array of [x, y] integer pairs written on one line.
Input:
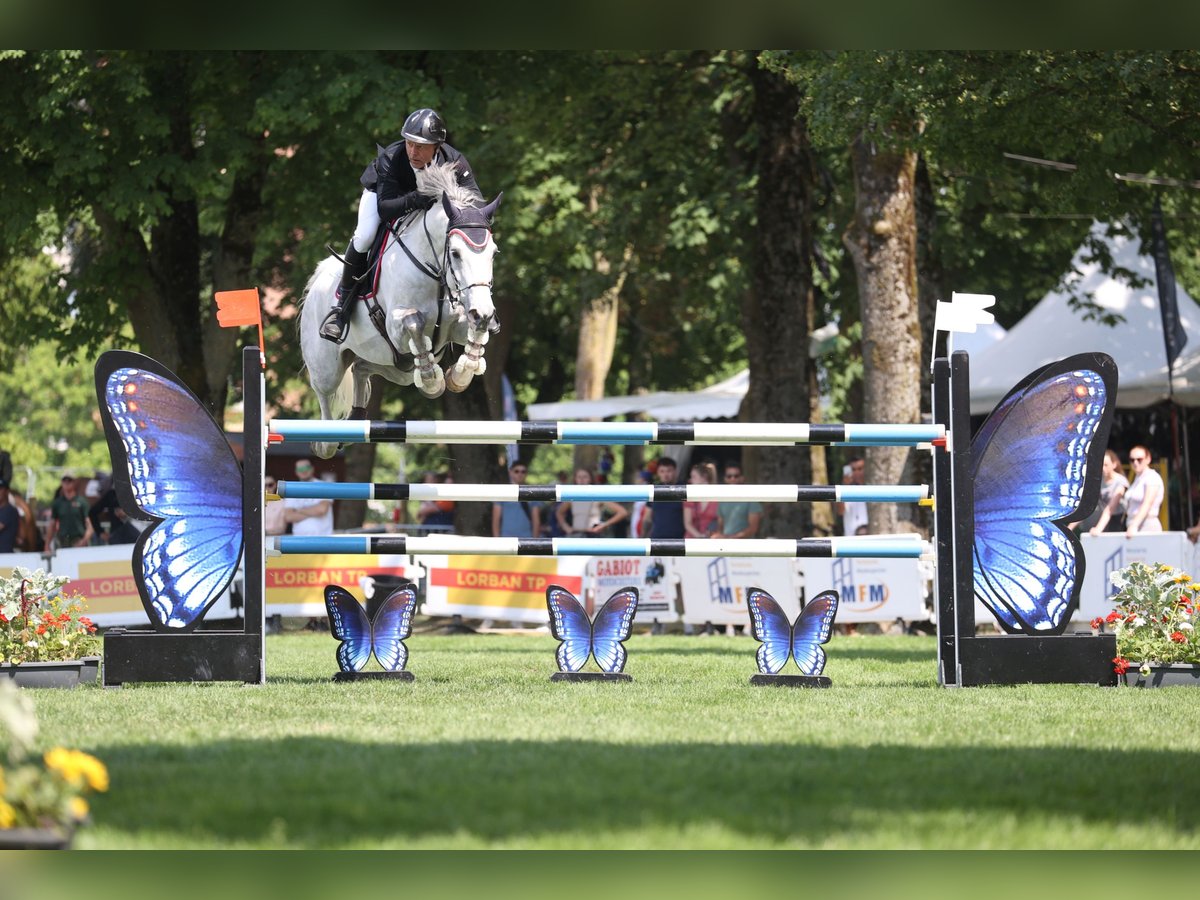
{"points": [[390, 192]]}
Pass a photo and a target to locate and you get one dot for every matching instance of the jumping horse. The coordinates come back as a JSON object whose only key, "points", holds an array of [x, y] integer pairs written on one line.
{"points": [[431, 291]]}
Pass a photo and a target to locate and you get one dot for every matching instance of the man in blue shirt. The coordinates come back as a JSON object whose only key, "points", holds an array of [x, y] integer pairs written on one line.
{"points": [[666, 519]]}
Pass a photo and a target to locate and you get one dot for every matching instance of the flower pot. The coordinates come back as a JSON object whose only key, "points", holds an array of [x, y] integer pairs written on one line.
{"points": [[1163, 675], [35, 839], [65, 674]]}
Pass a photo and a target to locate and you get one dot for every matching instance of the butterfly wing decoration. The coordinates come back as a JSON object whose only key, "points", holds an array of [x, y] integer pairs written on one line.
{"points": [[770, 625], [611, 629], [570, 625], [348, 623], [173, 466], [812, 629], [1035, 466], [392, 624]]}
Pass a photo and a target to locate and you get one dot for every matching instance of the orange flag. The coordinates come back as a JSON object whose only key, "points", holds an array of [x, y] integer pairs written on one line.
{"points": [[237, 308]]}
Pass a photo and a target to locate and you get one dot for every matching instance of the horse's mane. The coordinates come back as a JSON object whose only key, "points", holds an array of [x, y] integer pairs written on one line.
{"points": [[434, 179]]}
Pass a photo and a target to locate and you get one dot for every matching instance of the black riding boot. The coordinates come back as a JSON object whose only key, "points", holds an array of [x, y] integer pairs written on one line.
{"points": [[337, 322]]}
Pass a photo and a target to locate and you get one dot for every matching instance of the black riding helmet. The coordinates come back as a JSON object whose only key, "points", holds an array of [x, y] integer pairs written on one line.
{"points": [[424, 126]]}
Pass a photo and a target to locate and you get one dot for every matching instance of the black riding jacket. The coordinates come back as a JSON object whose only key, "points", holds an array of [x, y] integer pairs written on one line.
{"points": [[392, 178]]}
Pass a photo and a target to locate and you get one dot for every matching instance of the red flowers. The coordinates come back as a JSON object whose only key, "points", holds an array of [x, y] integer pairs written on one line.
{"points": [[1179, 637], [1113, 616], [1097, 623], [1120, 665]]}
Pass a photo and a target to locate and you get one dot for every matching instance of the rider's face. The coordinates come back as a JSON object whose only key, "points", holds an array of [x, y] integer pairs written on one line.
{"points": [[419, 155]]}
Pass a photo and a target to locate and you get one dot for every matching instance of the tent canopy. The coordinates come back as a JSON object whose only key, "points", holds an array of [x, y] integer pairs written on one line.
{"points": [[718, 401], [1052, 331]]}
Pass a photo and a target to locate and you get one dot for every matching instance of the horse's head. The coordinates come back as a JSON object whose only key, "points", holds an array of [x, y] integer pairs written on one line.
{"points": [[470, 249]]}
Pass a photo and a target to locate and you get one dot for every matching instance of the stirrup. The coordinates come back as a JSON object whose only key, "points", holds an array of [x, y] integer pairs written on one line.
{"points": [[335, 328]]}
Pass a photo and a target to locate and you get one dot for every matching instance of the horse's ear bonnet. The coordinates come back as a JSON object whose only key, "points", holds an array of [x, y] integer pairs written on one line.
{"points": [[473, 222]]}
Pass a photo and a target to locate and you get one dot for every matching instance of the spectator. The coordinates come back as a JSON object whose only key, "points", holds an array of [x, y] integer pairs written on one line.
{"points": [[1109, 514], [737, 518], [1144, 497], [275, 511], [306, 515], [437, 513], [853, 512], [666, 519], [29, 539], [69, 522], [585, 518], [550, 516], [515, 518], [10, 521], [700, 517], [638, 524]]}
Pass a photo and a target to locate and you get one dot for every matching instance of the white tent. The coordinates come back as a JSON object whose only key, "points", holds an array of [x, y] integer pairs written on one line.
{"points": [[1052, 331], [718, 401]]}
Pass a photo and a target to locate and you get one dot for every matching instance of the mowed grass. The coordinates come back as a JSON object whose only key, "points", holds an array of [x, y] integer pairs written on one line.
{"points": [[483, 751]]}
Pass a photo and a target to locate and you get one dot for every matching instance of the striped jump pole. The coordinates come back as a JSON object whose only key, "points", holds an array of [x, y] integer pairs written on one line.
{"points": [[864, 547], [616, 493], [762, 434]]}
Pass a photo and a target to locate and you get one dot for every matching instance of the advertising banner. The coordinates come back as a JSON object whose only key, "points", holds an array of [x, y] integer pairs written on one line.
{"points": [[296, 582], [510, 588], [653, 576], [29, 561], [871, 590], [104, 577], [1106, 553], [714, 590]]}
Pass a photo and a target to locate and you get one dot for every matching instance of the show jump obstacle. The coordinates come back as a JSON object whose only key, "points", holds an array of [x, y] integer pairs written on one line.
{"points": [[173, 467]]}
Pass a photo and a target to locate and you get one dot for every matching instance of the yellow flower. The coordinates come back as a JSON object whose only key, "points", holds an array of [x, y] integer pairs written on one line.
{"points": [[7, 817], [93, 772], [79, 808]]}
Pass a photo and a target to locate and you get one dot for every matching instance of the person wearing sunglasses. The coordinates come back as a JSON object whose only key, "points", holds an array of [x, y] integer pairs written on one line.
{"points": [[1142, 500]]}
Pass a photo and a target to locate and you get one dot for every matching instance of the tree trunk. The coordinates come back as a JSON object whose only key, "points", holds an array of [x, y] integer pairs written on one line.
{"points": [[776, 310], [360, 465], [882, 241], [597, 339]]}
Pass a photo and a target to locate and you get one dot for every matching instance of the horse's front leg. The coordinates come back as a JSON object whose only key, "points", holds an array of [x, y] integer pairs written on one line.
{"points": [[427, 374], [471, 363]]}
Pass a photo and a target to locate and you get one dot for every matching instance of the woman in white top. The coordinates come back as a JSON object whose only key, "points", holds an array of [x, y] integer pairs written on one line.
{"points": [[1144, 497], [583, 518]]}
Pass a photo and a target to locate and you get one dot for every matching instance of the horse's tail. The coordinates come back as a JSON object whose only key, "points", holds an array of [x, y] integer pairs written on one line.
{"points": [[327, 271]]}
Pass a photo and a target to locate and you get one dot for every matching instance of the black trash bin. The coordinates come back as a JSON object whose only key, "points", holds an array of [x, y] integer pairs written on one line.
{"points": [[384, 585]]}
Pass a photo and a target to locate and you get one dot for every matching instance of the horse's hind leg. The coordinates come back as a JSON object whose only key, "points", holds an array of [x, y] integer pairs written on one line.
{"points": [[427, 374]]}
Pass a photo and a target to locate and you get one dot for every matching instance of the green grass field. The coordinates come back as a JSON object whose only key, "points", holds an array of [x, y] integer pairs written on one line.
{"points": [[482, 750]]}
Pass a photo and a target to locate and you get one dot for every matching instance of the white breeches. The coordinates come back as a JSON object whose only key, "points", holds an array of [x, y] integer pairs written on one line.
{"points": [[368, 221]]}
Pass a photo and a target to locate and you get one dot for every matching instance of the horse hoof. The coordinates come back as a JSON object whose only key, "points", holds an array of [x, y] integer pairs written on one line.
{"points": [[455, 383], [324, 451]]}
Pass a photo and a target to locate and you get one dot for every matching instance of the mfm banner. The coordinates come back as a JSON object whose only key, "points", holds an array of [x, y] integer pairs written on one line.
{"points": [[497, 587], [714, 590]]}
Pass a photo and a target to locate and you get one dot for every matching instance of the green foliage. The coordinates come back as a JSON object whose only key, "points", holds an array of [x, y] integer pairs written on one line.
{"points": [[49, 415]]}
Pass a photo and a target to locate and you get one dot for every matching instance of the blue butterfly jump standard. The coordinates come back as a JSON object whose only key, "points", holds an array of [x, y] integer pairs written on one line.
{"points": [[173, 467], [999, 534], [780, 639]]}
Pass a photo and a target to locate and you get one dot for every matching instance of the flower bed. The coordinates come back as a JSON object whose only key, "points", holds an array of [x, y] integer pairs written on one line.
{"points": [[1154, 623], [38, 623]]}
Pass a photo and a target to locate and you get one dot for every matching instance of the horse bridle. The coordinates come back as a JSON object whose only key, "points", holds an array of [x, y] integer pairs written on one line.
{"points": [[453, 294]]}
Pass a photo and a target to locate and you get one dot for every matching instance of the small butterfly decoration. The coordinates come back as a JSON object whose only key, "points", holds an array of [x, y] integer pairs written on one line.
{"points": [[172, 466], [1035, 467], [360, 636], [581, 637], [781, 639]]}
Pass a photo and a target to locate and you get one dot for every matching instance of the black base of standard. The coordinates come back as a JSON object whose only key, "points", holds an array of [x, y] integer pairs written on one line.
{"points": [[793, 681], [1050, 659], [195, 656], [590, 676], [402, 675]]}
